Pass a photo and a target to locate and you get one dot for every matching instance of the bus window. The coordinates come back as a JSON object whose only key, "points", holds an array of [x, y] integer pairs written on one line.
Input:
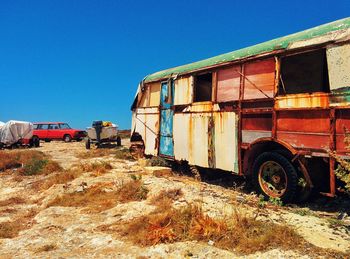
{"points": [[304, 73], [203, 87]]}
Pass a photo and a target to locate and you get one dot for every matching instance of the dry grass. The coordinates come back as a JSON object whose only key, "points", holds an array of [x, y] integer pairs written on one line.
{"points": [[124, 154], [97, 168], [12, 228], [66, 176], [62, 177], [46, 248], [240, 232], [102, 196], [166, 197], [30, 162], [100, 152], [12, 201]]}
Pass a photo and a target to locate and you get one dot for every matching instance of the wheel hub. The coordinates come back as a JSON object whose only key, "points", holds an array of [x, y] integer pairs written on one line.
{"points": [[272, 179]]}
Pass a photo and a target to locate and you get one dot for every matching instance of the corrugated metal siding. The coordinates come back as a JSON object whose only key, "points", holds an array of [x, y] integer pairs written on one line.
{"points": [[259, 74], [338, 59], [228, 84], [184, 90]]}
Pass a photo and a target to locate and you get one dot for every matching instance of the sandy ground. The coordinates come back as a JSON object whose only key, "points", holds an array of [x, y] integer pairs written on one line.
{"points": [[59, 232]]}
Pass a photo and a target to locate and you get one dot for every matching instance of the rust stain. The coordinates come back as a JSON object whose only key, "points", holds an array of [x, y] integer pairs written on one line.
{"points": [[316, 100]]}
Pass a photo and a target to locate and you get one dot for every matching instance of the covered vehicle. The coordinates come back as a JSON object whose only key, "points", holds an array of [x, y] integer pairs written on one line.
{"points": [[17, 132]]}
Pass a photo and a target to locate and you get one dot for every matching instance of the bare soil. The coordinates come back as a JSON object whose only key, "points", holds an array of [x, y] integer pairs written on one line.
{"points": [[59, 221]]}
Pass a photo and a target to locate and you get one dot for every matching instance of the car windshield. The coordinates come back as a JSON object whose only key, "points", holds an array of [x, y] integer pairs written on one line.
{"points": [[64, 126]]}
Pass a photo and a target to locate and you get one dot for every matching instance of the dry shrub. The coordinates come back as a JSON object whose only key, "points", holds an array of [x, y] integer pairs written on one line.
{"points": [[240, 233], [57, 178], [133, 190], [166, 197], [10, 229], [46, 248], [97, 168], [124, 154], [102, 196], [12, 201], [100, 152]]}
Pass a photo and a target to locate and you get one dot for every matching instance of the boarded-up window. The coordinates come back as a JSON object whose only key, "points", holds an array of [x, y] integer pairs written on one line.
{"points": [[228, 84], [150, 96], [259, 79], [203, 88], [183, 90], [154, 94], [338, 59], [304, 73]]}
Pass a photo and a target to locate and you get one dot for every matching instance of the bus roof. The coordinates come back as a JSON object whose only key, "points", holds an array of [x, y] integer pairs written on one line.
{"points": [[262, 48]]}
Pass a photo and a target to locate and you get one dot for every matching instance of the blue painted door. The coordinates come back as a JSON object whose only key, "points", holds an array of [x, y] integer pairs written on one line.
{"points": [[166, 119]]}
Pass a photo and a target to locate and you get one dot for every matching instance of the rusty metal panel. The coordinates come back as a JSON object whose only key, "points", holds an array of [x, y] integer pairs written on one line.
{"points": [[151, 132], [146, 124], [338, 60], [144, 99], [316, 100], [310, 121], [182, 135], [226, 143], [304, 129], [259, 75], [202, 107], [249, 136], [154, 94], [191, 138], [199, 139], [342, 126], [183, 90], [228, 83]]}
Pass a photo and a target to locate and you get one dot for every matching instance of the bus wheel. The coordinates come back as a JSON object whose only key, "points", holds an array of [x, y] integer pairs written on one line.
{"points": [[274, 176]]}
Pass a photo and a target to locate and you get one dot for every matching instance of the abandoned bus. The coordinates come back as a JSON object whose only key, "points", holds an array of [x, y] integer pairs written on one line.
{"points": [[272, 112]]}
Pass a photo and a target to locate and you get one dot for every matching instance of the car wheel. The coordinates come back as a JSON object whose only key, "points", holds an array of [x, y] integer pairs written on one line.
{"points": [[67, 138], [36, 141], [87, 143], [274, 176]]}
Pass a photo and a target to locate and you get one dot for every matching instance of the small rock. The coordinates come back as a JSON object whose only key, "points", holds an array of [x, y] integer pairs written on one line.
{"points": [[80, 189], [210, 242]]}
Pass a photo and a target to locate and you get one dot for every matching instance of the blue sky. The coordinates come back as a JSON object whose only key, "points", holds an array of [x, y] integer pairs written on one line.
{"points": [[79, 61]]}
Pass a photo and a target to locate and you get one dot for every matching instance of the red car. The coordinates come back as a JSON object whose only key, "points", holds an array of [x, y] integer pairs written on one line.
{"points": [[56, 130]]}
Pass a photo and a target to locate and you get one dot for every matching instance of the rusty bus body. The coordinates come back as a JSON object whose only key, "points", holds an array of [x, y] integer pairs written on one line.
{"points": [[272, 111]]}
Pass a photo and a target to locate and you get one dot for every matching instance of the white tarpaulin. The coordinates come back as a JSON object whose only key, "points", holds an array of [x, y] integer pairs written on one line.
{"points": [[12, 131], [2, 124]]}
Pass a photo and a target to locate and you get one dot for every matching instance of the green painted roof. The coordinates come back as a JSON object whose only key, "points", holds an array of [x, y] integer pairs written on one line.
{"points": [[265, 47]]}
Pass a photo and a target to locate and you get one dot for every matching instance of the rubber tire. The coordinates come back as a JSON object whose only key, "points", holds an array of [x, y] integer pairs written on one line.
{"points": [[67, 138], [292, 176], [87, 144], [303, 194], [36, 141], [119, 141]]}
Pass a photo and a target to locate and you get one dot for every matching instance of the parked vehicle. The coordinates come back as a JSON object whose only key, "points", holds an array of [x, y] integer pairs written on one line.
{"points": [[270, 112], [102, 132], [57, 130], [17, 133]]}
